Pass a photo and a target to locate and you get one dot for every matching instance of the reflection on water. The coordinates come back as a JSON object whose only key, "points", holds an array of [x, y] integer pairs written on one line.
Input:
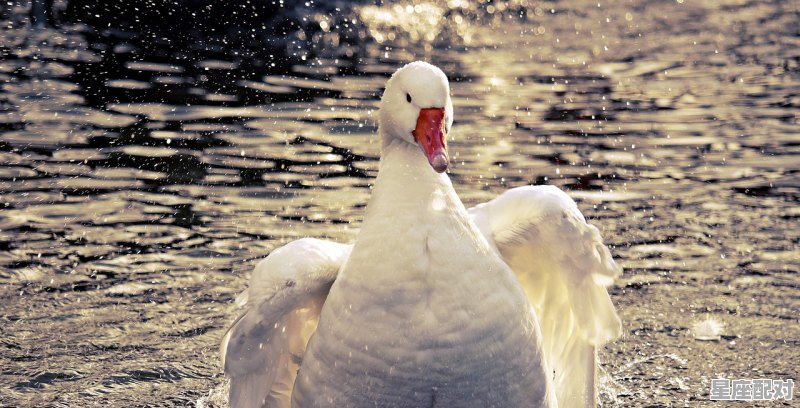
{"points": [[140, 181]]}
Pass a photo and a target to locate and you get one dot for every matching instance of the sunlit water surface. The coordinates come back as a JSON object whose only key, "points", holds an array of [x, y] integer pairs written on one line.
{"points": [[139, 184]]}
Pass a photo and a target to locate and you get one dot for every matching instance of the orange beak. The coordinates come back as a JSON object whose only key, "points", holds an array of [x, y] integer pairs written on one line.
{"points": [[430, 135]]}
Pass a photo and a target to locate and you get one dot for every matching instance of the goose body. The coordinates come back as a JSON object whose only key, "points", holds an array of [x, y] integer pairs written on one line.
{"points": [[433, 305], [405, 323]]}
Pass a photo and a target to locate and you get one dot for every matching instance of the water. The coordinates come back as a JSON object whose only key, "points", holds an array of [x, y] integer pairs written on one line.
{"points": [[142, 178]]}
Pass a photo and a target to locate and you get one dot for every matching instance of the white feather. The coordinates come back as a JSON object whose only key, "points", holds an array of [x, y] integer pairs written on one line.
{"points": [[562, 264], [261, 352]]}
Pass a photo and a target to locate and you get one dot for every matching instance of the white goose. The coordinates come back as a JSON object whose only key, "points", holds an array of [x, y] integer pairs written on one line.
{"points": [[434, 305]]}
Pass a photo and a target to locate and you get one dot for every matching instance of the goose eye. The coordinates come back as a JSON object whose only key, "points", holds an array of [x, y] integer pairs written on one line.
{"points": [[408, 98]]}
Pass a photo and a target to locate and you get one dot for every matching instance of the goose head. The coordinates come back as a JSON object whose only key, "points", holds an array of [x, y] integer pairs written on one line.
{"points": [[416, 109]]}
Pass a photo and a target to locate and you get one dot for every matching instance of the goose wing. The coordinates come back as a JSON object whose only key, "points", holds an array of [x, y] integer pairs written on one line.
{"points": [[565, 268], [264, 347]]}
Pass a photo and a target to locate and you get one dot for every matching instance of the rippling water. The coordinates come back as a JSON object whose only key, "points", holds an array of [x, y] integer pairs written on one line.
{"points": [[141, 179]]}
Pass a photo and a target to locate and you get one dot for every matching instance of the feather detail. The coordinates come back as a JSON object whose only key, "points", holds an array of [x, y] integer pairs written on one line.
{"points": [[263, 349], [564, 268]]}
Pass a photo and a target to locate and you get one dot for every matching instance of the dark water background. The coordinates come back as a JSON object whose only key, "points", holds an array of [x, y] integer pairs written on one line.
{"points": [[144, 173]]}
